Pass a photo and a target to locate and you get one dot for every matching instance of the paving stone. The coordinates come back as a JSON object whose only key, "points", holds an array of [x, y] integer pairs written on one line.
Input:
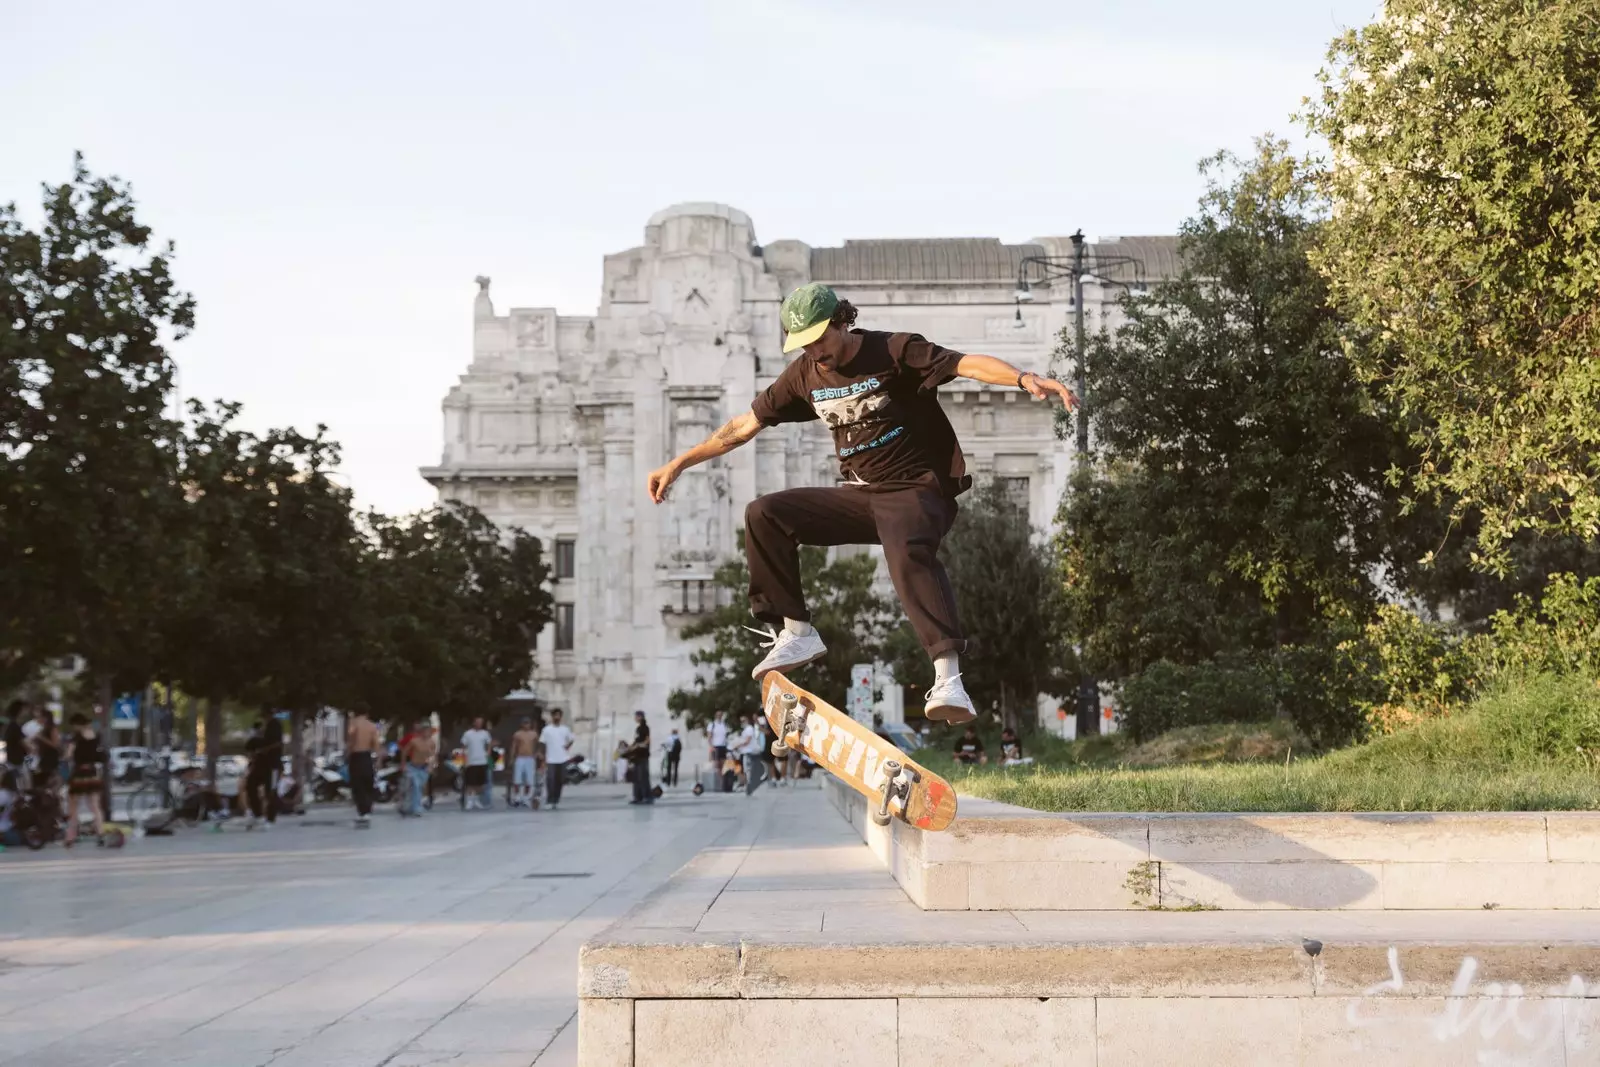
{"points": [[1301, 886], [1000, 1032], [1141, 1031], [605, 1033], [1469, 886], [778, 1033]]}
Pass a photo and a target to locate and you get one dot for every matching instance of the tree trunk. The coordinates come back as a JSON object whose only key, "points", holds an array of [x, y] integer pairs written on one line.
{"points": [[213, 737], [103, 695], [297, 751]]}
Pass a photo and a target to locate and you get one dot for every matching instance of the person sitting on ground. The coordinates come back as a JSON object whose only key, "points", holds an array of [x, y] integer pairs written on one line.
{"points": [[87, 758], [969, 748]]}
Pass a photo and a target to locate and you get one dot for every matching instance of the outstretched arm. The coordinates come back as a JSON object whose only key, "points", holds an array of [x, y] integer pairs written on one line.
{"points": [[733, 433], [999, 372]]}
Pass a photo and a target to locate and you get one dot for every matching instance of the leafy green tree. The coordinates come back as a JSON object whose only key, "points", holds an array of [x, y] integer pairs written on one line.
{"points": [[450, 608], [1463, 137], [89, 496], [1008, 590], [273, 554], [1238, 500], [850, 616]]}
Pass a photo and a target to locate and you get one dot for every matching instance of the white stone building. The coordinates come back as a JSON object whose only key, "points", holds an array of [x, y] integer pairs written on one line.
{"points": [[559, 418]]}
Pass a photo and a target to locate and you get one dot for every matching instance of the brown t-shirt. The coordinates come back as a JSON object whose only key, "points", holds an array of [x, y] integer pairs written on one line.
{"points": [[882, 406]]}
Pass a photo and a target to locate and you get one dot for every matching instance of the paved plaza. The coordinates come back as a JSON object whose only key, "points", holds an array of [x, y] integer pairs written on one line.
{"points": [[450, 940]]}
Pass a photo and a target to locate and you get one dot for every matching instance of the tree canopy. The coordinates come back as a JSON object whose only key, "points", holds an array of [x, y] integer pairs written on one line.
{"points": [[1238, 496], [199, 553], [1462, 245]]}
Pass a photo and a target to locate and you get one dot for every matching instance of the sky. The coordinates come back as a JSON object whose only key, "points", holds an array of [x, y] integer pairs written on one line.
{"points": [[334, 174]]}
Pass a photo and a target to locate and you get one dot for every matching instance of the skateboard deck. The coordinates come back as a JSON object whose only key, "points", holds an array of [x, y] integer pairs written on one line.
{"points": [[899, 786]]}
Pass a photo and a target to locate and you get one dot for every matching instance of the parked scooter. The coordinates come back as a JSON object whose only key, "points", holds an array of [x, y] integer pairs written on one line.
{"points": [[330, 781], [386, 783], [578, 769]]}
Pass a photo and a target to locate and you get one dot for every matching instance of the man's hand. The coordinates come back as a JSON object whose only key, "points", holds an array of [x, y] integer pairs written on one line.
{"points": [[660, 479], [1043, 388]]}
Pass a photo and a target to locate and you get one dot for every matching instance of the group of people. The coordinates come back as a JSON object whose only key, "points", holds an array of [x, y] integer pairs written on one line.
{"points": [[969, 748], [746, 754], [41, 763], [538, 754]]}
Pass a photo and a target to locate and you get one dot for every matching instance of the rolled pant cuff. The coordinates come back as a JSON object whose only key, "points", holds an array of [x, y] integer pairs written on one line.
{"points": [[949, 644], [765, 612]]}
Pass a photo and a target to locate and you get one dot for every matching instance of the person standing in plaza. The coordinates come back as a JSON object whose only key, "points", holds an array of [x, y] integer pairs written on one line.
{"points": [[524, 765], [265, 752], [557, 741], [718, 736], [674, 754], [639, 756], [86, 758], [44, 744], [477, 742], [748, 747], [901, 463], [361, 741], [419, 752]]}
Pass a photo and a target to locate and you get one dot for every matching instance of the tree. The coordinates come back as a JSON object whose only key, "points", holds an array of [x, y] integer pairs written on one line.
{"points": [[89, 498], [1008, 591], [451, 606], [849, 615], [1462, 244], [1238, 499], [269, 603]]}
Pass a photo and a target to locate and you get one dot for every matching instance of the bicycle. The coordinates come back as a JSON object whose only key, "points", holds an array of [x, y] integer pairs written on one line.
{"points": [[162, 791]]}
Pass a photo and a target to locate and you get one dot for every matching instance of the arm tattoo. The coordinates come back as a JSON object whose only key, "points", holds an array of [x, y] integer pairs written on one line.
{"points": [[729, 433]]}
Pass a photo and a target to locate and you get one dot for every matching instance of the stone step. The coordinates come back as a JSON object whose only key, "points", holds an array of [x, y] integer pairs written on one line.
{"points": [[997, 856], [789, 944]]}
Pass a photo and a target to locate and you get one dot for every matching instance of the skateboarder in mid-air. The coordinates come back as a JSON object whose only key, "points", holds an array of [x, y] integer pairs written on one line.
{"points": [[902, 469]]}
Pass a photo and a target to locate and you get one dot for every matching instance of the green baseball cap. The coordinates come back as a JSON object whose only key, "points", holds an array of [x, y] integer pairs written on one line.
{"points": [[806, 313]]}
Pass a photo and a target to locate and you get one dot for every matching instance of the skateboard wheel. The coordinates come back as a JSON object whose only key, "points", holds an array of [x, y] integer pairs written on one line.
{"points": [[880, 818], [779, 749]]}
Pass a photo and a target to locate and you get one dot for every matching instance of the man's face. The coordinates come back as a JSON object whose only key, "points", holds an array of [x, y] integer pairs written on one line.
{"points": [[477, 724], [527, 724], [829, 346], [555, 718]]}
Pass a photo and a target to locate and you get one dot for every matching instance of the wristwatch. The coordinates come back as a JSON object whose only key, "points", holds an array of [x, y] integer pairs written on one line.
{"points": [[1023, 375]]}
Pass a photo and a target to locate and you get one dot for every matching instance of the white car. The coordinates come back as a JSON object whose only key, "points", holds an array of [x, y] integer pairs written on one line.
{"points": [[128, 762]]}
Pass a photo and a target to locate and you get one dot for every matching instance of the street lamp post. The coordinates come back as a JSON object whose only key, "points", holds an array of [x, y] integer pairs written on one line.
{"points": [[1049, 268]]}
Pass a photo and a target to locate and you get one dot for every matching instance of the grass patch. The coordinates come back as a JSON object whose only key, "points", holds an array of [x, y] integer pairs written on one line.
{"points": [[1531, 747]]}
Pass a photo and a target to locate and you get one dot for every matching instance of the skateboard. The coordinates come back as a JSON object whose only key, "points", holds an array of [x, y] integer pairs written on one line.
{"points": [[901, 787]]}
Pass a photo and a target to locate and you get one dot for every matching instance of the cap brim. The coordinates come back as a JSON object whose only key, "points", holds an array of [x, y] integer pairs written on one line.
{"points": [[801, 338]]}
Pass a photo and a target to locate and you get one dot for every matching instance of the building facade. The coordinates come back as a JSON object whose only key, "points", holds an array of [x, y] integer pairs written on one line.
{"points": [[558, 420]]}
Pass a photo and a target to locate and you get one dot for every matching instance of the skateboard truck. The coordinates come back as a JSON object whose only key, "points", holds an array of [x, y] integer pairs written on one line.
{"points": [[897, 783], [794, 719]]}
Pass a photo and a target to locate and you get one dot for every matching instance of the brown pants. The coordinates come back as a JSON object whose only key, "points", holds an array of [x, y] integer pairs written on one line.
{"points": [[908, 523]]}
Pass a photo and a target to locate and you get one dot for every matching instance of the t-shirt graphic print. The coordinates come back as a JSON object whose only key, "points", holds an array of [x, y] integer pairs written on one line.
{"points": [[888, 428]]}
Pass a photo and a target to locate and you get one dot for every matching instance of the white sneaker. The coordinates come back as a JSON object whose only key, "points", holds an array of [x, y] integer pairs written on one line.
{"points": [[788, 650], [948, 702]]}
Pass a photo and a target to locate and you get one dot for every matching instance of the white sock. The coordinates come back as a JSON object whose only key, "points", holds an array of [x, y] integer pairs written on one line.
{"points": [[796, 627], [945, 667]]}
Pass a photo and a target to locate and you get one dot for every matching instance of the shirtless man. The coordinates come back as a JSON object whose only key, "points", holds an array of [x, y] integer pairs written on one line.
{"points": [[361, 747], [419, 756], [524, 765]]}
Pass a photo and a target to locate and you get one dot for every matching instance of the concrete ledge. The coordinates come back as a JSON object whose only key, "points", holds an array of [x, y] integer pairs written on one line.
{"points": [[999, 857], [790, 946]]}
